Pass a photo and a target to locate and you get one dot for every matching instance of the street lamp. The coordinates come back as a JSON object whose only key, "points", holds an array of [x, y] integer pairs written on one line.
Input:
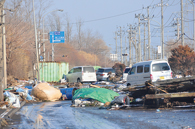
{"points": [[44, 33]]}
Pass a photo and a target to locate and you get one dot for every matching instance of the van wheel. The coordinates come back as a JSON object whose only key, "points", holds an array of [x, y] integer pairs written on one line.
{"points": [[128, 84]]}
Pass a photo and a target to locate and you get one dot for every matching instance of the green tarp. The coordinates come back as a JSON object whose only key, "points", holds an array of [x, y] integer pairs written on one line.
{"points": [[101, 94]]}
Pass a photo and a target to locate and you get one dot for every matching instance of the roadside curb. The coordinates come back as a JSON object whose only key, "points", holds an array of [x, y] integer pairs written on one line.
{"points": [[3, 121]]}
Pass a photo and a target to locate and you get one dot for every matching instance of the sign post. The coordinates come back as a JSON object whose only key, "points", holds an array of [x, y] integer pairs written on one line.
{"points": [[56, 37]]}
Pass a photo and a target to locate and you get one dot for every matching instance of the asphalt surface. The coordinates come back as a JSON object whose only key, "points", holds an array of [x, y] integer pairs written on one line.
{"points": [[59, 115]]}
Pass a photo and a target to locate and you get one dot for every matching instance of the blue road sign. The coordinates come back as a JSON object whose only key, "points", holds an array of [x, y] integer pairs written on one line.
{"points": [[41, 57], [56, 37]]}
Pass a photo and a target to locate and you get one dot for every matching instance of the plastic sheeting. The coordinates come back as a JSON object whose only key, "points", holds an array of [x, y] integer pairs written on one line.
{"points": [[101, 94]]}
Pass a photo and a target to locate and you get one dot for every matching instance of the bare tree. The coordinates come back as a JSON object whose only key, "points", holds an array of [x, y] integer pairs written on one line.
{"points": [[79, 32], [68, 30]]}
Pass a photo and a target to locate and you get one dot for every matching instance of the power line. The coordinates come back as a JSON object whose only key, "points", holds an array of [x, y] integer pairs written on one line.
{"points": [[104, 17], [188, 37], [174, 42]]}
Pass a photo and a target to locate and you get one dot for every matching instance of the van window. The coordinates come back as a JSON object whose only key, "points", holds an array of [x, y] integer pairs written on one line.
{"points": [[146, 68], [88, 69], [140, 69], [71, 71], [76, 70], [160, 67], [132, 70], [127, 70]]}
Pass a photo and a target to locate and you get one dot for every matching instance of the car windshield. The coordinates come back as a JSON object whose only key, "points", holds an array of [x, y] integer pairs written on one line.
{"points": [[160, 67], [100, 70], [127, 70], [109, 70], [88, 69]]}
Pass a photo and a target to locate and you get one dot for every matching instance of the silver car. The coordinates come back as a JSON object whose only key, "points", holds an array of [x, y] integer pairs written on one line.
{"points": [[102, 73]]}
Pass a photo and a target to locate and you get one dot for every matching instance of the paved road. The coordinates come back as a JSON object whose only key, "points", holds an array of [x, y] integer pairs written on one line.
{"points": [[59, 115]]}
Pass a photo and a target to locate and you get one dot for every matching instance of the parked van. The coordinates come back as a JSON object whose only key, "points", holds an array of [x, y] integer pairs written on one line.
{"points": [[153, 70], [81, 74]]}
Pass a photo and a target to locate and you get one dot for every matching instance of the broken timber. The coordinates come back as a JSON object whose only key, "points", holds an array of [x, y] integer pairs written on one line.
{"points": [[175, 80], [170, 95]]}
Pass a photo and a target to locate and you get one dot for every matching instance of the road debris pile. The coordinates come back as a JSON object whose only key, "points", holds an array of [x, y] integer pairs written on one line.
{"points": [[45, 92], [171, 93], [119, 68], [13, 96]]}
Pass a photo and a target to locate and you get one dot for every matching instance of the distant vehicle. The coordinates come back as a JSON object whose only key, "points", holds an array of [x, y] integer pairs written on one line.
{"points": [[125, 73], [153, 70], [102, 73], [81, 74]]}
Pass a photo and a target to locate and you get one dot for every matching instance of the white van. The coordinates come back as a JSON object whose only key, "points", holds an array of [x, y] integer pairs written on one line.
{"points": [[81, 74], [149, 70]]}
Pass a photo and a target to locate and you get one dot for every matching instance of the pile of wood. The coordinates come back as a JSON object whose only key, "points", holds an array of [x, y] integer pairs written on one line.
{"points": [[167, 93]]}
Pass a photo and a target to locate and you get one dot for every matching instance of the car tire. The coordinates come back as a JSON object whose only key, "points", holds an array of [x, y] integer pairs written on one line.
{"points": [[79, 80], [128, 84]]}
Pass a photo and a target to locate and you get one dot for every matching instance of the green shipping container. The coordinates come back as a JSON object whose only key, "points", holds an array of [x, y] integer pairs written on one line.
{"points": [[96, 67], [52, 71]]}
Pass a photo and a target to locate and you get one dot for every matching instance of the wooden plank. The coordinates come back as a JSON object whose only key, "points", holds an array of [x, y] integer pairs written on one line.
{"points": [[170, 95], [95, 86], [175, 80]]}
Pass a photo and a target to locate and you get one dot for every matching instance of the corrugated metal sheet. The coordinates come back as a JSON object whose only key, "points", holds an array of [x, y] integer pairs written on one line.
{"points": [[52, 71]]}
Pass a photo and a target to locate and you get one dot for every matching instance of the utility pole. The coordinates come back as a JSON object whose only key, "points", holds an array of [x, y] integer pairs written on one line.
{"points": [[162, 30], [4, 52], [182, 25], [1, 52], [52, 52], [39, 42], [178, 28], [37, 53], [135, 44], [116, 43], [144, 41], [139, 38], [148, 33], [130, 40], [121, 45], [125, 52]]}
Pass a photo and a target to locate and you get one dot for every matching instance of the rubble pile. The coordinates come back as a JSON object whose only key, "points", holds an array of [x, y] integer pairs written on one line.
{"points": [[119, 68]]}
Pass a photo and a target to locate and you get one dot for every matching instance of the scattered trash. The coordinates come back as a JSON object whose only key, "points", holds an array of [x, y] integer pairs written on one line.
{"points": [[101, 94], [24, 93], [86, 102], [158, 110], [121, 100], [67, 93], [12, 99]]}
